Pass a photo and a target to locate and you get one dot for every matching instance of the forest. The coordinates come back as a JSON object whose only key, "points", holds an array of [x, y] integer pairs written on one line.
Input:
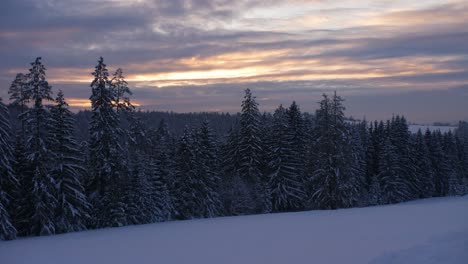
{"points": [[112, 166]]}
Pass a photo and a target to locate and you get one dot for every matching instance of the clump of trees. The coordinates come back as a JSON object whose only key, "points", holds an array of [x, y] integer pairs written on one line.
{"points": [[126, 172]]}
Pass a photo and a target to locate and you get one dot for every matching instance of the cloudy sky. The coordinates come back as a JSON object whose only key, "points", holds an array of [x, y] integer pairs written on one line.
{"points": [[384, 56]]}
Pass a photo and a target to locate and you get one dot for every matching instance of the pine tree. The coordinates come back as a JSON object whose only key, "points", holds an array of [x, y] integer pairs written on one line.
{"points": [[423, 165], [8, 181], [207, 170], [462, 160], [73, 208], [287, 188], [106, 153], [296, 135], [140, 207], [235, 194], [333, 174], [161, 172], [121, 92], [392, 184], [438, 162], [161, 197], [22, 195], [399, 136], [354, 189], [462, 146], [187, 199], [250, 151], [455, 177], [20, 95], [43, 202], [196, 179]]}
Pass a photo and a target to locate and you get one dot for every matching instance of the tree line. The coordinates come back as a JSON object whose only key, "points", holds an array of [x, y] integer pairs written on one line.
{"points": [[127, 172]]}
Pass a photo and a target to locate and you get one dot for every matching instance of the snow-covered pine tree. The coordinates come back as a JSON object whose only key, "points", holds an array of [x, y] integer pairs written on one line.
{"points": [[423, 166], [266, 122], [161, 171], [207, 170], [353, 189], [140, 207], [250, 151], [43, 201], [297, 136], [332, 173], [22, 195], [8, 181], [393, 186], [187, 200], [163, 159], [121, 92], [287, 187], [235, 195], [439, 164], [377, 136], [400, 137], [20, 94], [73, 208], [455, 171], [161, 197], [462, 156], [462, 145], [196, 180], [106, 154]]}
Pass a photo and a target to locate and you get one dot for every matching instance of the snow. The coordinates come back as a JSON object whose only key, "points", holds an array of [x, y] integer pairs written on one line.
{"points": [[425, 231], [443, 129]]}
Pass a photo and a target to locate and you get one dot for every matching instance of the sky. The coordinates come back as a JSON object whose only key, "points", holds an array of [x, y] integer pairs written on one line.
{"points": [[384, 57]]}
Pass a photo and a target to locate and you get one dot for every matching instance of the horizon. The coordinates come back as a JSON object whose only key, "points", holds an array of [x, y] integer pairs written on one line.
{"points": [[384, 57]]}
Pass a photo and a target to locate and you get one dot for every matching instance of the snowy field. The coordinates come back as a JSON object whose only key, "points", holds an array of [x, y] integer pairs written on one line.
{"points": [[426, 231]]}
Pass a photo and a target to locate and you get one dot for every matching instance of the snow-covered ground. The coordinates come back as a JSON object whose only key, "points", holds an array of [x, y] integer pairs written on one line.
{"points": [[443, 129], [426, 231]]}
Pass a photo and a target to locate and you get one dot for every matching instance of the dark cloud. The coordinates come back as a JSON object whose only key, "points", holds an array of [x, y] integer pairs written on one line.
{"points": [[438, 43]]}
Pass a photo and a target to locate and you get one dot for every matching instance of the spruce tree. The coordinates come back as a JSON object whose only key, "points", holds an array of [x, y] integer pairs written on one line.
{"points": [[333, 175], [187, 199], [160, 195], [354, 189], [393, 186], [424, 172], [196, 179], [399, 136], [287, 187], [22, 195], [73, 208], [20, 95], [235, 194], [106, 153], [207, 170], [43, 203], [455, 171], [250, 152], [161, 172], [8, 181], [438, 161], [121, 92], [140, 208]]}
